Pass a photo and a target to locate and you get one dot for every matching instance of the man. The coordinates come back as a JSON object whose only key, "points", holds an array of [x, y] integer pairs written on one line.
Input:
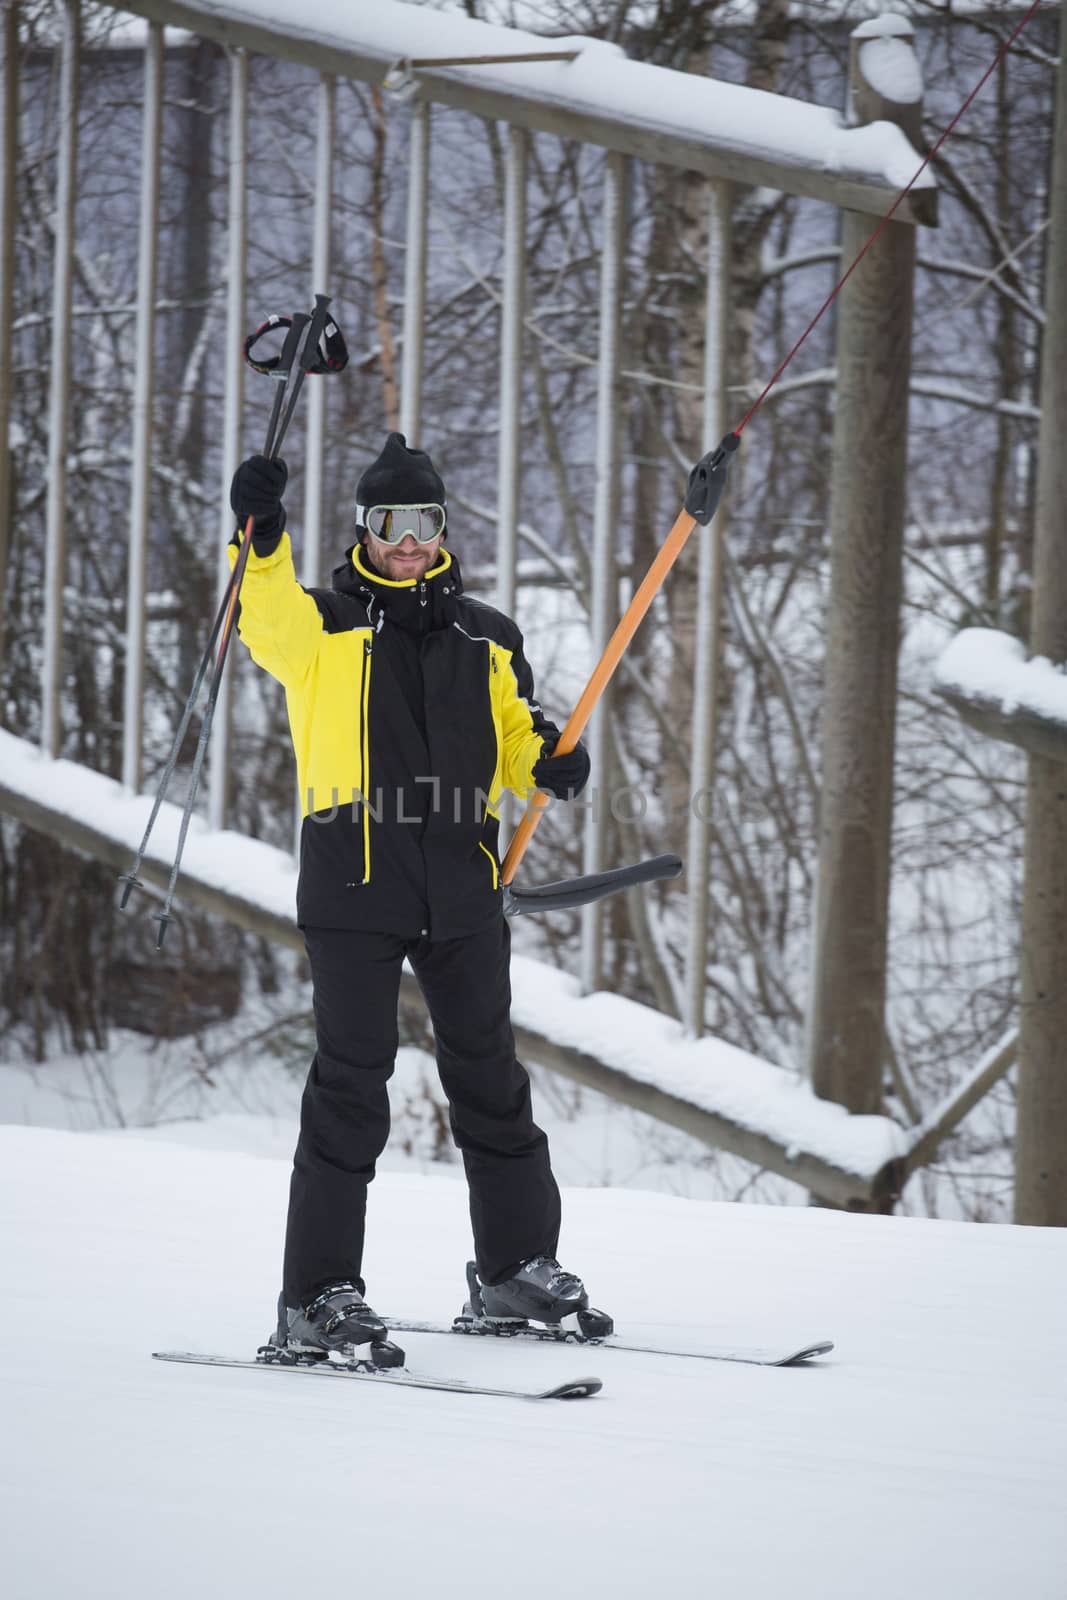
{"points": [[411, 708]]}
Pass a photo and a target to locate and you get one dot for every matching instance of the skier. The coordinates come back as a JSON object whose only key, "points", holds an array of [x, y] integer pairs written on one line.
{"points": [[411, 708]]}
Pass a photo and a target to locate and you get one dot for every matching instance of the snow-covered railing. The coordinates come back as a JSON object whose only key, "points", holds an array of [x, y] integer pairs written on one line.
{"points": [[729, 1099], [723, 130], [986, 676]]}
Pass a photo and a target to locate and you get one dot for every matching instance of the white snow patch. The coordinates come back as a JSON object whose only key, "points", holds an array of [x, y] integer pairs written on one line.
{"points": [[985, 663], [892, 69], [852, 151], [652, 1048], [228, 861], [128, 33], [887, 26]]}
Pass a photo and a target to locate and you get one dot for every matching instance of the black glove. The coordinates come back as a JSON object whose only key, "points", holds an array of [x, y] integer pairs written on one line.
{"points": [[256, 491], [564, 776]]}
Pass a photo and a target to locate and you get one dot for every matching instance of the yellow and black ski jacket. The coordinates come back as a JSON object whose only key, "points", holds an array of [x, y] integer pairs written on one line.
{"points": [[411, 708]]}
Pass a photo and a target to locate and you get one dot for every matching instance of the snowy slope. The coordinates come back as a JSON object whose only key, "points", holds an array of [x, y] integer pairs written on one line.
{"points": [[927, 1456]]}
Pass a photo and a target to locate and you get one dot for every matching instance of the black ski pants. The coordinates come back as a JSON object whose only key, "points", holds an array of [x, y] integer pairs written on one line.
{"points": [[344, 1120]]}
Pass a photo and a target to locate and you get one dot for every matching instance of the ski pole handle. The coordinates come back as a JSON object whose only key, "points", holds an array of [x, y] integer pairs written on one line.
{"points": [[309, 357], [281, 372]]}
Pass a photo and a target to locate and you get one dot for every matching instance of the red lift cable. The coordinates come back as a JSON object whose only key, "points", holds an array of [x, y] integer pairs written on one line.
{"points": [[840, 284]]}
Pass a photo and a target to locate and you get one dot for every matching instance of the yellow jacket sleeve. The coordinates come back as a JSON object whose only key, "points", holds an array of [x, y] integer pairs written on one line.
{"points": [[525, 727], [279, 621]]}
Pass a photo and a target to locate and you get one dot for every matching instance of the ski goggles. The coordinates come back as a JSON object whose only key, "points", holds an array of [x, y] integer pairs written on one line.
{"points": [[390, 524]]}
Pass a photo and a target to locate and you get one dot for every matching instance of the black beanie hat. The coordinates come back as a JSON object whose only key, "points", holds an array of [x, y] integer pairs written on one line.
{"points": [[399, 477]]}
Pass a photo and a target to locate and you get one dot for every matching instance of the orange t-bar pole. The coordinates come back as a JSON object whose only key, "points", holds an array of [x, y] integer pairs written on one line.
{"points": [[600, 677], [706, 484]]}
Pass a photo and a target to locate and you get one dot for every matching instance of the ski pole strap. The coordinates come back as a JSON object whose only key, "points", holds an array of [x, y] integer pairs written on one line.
{"points": [[333, 355]]}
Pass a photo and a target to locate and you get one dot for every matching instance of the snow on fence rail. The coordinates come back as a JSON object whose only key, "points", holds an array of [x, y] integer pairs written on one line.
{"points": [[712, 1090], [723, 130], [987, 678]]}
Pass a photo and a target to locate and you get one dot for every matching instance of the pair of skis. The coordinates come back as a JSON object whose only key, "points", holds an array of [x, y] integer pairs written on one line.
{"points": [[572, 1389]]}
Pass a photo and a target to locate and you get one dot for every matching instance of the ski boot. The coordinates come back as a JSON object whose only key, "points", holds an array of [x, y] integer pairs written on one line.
{"points": [[337, 1325], [541, 1300]]}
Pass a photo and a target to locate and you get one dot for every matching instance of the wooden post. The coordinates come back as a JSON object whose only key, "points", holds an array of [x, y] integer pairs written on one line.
{"points": [[1041, 1129], [846, 1021]]}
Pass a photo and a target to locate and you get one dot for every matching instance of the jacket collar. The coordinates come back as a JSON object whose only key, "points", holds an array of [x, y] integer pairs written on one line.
{"points": [[418, 605]]}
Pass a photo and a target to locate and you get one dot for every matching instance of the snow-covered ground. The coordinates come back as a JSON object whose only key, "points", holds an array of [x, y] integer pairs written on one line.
{"points": [[926, 1456]]}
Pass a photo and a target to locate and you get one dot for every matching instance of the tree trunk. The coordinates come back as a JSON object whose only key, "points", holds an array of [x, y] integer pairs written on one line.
{"points": [[1041, 1131], [846, 1022]]}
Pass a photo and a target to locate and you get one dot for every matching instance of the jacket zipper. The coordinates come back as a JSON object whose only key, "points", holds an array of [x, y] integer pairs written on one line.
{"points": [[484, 847], [364, 753], [498, 730]]}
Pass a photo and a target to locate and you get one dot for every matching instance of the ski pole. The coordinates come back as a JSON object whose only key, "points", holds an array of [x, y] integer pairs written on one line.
{"points": [[275, 435], [130, 880], [704, 490], [271, 447]]}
